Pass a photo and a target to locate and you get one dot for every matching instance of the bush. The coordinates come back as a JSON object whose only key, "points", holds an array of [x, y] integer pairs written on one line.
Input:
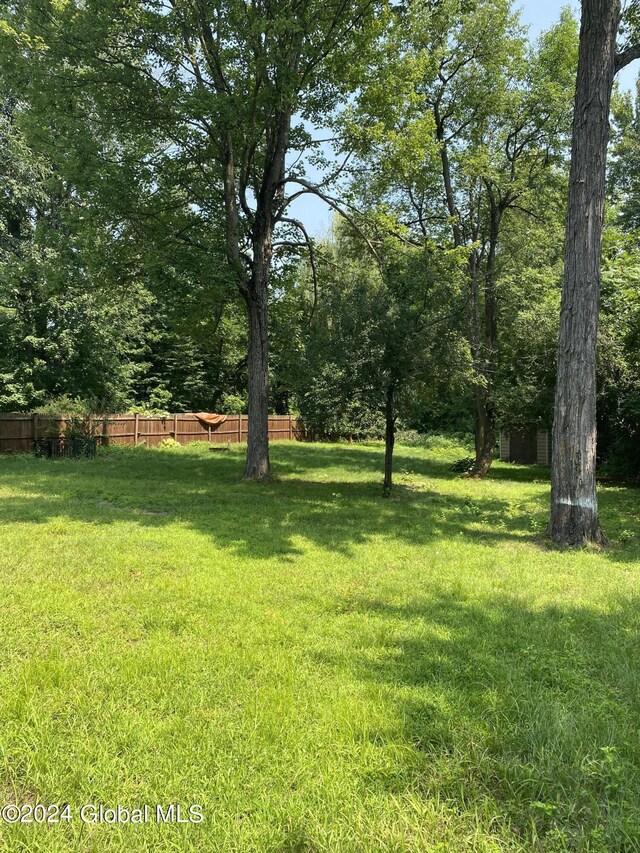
{"points": [[68, 417], [448, 444], [168, 444], [149, 411], [462, 465], [410, 437], [233, 404]]}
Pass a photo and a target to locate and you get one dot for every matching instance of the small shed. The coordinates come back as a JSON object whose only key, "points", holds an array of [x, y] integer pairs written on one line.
{"points": [[526, 447]]}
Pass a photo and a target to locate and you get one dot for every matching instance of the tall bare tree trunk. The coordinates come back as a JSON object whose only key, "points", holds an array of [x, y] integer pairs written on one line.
{"points": [[258, 466], [256, 296], [574, 508], [268, 199]]}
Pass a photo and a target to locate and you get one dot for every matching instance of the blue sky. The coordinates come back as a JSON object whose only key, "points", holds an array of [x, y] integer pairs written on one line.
{"points": [[537, 15]]}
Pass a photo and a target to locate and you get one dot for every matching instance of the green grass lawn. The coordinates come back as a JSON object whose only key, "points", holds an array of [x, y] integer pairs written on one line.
{"points": [[320, 668]]}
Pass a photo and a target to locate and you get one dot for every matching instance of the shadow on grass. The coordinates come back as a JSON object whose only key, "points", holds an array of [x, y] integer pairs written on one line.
{"points": [[525, 718], [519, 473], [310, 457], [206, 493], [258, 520]]}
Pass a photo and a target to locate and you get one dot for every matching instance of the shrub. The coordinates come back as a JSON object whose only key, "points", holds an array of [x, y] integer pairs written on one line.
{"points": [[462, 465], [68, 417], [168, 444]]}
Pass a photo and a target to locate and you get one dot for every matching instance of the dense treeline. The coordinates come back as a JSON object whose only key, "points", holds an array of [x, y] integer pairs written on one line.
{"points": [[146, 241]]}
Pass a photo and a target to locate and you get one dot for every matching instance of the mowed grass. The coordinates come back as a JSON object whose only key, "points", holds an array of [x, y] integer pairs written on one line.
{"points": [[320, 668]]}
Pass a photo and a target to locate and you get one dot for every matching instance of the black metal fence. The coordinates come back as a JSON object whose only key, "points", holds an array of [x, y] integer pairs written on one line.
{"points": [[65, 448]]}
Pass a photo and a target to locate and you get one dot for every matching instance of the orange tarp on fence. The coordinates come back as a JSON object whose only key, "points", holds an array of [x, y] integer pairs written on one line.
{"points": [[208, 420]]}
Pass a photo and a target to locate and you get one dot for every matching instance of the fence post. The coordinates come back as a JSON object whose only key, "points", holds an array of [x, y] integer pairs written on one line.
{"points": [[35, 427], [175, 426], [290, 430], [135, 429], [239, 428]]}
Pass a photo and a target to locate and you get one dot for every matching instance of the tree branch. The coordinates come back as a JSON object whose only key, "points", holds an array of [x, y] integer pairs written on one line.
{"points": [[312, 259], [624, 57], [333, 203]]}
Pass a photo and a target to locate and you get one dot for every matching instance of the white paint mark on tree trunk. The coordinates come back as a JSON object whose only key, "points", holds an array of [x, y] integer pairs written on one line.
{"points": [[583, 503]]}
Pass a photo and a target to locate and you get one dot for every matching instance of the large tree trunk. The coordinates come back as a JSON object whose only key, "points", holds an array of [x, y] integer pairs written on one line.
{"points": [[257, 299], [486, 350], [268, 200], [574, 508], [389, 440]]}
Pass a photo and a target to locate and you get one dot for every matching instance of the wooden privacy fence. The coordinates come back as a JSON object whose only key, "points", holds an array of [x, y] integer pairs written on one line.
{"points": [[19, 431]]}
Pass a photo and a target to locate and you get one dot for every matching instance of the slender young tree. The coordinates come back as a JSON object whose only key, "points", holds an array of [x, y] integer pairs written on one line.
{"points": [[383, 333], [574, 508]]}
